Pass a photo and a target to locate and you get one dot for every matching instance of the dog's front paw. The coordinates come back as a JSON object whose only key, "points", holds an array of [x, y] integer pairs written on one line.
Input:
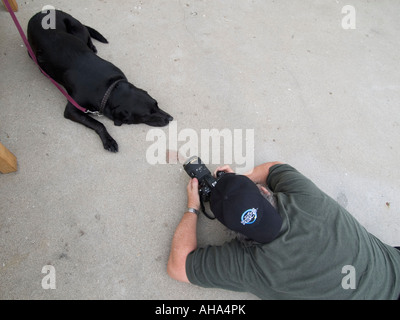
{"points": [[109, 143]]}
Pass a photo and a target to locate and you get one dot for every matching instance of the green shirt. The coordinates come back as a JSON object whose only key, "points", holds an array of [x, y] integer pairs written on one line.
{"points": [[322, 252]]}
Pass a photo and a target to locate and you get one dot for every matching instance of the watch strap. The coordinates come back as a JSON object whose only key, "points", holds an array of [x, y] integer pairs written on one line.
{"points": [[193, 210]]}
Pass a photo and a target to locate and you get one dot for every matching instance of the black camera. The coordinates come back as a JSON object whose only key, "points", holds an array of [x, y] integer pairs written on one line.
{"points": [[195, 168]]}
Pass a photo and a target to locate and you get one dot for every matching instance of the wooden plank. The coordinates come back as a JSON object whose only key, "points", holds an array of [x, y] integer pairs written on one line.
{"points": [[8, 162], [13, 5]]}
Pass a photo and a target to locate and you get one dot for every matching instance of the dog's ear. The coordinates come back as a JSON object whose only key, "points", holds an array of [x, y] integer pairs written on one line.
{"points": [[119, 116]]}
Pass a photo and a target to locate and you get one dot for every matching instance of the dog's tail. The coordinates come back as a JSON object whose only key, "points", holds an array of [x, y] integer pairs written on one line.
{"points": [[96, 35]]}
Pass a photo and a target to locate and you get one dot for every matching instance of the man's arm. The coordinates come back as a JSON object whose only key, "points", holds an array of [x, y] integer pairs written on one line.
{"points": [[260, 173], [185, 239], [183, 243]]}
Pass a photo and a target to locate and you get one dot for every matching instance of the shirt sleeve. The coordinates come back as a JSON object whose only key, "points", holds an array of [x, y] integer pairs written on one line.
{"points": [[286, 179], [222, 267]]}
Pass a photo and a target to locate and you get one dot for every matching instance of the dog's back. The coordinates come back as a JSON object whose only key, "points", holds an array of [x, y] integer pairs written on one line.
{"points": [[65, 23], [66, 53]]}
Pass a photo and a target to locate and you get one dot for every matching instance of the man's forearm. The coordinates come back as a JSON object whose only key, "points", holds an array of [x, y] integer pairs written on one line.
{"points": [[260, 173], [183, 242]]}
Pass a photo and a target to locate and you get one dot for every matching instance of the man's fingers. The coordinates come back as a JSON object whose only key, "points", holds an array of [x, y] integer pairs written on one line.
{"points": [[193, 185], [225, 168]]}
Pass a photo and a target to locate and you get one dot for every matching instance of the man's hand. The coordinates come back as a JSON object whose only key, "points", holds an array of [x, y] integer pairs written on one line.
{"points": [[258, 175], [225, 168], [193, 194]]}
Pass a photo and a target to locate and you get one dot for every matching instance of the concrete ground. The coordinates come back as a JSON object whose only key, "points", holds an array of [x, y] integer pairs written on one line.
{"points": [[320, 97]]}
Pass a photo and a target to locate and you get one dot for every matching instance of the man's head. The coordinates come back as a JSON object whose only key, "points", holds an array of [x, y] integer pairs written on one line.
{"points": [[238, 204]]}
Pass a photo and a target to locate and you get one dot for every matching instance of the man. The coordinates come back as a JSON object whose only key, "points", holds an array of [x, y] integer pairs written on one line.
{"points": [[309, 248]]}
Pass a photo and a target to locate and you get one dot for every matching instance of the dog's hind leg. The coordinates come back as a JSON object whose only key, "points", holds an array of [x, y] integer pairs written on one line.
{"points": [[82, 32], [78, 116], [95, 35]]}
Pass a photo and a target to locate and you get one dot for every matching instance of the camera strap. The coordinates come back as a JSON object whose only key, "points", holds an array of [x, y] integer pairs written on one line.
{"points": [[204, 210]]}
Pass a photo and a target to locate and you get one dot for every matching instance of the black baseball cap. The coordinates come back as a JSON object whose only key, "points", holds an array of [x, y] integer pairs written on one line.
{"points": [[238, 204]]}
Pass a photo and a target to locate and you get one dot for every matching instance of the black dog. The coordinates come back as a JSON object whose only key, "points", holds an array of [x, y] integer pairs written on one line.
{"points": [[68, 55]]}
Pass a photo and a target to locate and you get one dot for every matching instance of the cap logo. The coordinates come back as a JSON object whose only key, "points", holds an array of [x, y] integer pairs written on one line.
{"points": [[249, 216]]}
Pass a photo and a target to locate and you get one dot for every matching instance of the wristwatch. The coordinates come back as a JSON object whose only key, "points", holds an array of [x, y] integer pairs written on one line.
{"points": [[193, 210]]}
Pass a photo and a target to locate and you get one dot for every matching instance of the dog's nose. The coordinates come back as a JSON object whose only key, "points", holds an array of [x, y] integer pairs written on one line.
{"points": [[170, 118]]}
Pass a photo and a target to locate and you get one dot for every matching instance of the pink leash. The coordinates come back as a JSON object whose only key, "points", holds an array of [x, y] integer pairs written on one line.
{"points": [[21, 32]]}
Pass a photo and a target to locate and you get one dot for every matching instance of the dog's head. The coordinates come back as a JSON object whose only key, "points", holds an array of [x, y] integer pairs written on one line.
{"points": [[131, 105]]}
